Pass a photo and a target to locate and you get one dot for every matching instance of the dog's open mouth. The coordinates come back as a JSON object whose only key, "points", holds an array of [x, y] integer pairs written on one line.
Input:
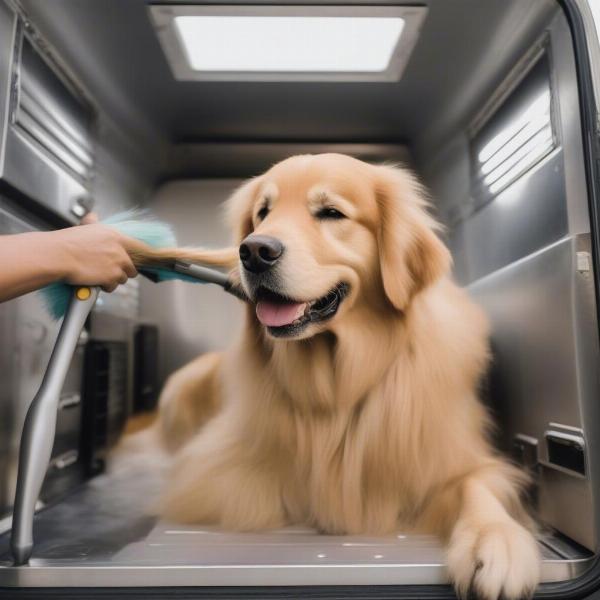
{"points": [[286, 316]]}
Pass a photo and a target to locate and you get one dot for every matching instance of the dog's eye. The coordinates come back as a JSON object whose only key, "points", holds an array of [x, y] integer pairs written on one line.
{"points": [[330, 213], [263, 212]]}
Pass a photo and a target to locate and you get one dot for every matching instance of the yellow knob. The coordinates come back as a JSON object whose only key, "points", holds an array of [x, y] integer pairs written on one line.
{"points": [[83, 293]]}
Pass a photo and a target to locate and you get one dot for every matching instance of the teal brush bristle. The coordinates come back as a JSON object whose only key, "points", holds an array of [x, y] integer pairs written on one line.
{"points": [[137, 224], [56, 298]]}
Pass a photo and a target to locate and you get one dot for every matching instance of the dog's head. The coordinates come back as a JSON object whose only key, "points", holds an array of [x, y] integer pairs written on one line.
{"points": [[320, 235]]}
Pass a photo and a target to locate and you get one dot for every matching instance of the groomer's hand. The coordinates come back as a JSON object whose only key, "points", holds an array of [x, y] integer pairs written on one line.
{"points": [[95, 255], [86, 255], [89, 218]]}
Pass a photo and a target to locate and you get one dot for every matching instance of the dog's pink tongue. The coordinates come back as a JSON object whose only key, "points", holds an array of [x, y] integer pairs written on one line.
{"points": [[275, 314]]}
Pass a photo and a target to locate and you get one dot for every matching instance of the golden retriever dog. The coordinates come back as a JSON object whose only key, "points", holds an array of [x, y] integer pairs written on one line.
{"points": [[350, 400]]}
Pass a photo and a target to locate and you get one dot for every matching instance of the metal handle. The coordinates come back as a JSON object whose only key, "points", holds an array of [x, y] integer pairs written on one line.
{"points": [[37, 438], [201, 273]]}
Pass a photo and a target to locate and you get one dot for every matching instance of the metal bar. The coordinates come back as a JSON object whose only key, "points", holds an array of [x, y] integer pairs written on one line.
{"points": [[210, 276], [201, 273], [37, 438]]}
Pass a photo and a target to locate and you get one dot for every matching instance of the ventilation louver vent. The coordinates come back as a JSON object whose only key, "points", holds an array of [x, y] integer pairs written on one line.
{"points": [[516, 136], [519, 146], [50, 115]]}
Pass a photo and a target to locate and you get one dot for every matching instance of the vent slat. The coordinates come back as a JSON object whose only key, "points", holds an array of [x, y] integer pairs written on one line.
{"points": [[41, 135], [51, 115], [56, 127]]}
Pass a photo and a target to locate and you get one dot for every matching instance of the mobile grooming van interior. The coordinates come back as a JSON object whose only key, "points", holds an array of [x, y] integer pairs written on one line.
{"points": [[125, 103]]}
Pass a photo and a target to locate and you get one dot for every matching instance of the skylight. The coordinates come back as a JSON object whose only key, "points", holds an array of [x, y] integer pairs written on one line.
{"points": [[286, 43], [289, 44]]}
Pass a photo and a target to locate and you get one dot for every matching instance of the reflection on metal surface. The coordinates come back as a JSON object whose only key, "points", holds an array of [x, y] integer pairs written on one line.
{"points": [[524, 217], [517, 135], [46, 147], [51, 115], [519, 146], [539, 377]]}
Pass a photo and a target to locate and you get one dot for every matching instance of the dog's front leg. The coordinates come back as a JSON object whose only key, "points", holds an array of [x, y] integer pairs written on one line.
{"points": [[489, 551]]}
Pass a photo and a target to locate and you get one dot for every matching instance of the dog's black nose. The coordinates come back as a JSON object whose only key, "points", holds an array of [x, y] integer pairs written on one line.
{"points": [[260, 252]]}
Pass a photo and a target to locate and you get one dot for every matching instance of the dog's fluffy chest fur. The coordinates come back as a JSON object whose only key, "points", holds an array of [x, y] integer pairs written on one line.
{"points": [[347, 441]]}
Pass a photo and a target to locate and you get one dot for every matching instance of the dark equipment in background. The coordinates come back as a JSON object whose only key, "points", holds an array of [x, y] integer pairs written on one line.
{"points": [[145, 376]]}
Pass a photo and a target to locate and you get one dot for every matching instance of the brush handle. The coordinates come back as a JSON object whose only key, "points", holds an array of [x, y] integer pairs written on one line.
{"points": [[201, 273], [210, 276], [37, 438]]}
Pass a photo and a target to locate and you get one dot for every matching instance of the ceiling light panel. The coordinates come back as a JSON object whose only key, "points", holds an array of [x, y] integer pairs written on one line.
{"points": [[287, 43]]}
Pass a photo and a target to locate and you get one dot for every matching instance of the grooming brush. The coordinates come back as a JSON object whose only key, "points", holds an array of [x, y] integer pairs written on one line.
{"points": [[156, 234], [181, 270]]}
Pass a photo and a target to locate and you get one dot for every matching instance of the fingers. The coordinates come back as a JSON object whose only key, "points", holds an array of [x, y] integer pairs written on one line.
{"points": [[120, 277], [89, 218], [129, 268]]}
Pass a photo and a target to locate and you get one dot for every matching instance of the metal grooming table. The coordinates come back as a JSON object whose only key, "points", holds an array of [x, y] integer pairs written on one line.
{"points": [[104, 534]]}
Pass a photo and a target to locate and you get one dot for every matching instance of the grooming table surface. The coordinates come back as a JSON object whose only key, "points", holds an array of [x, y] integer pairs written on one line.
{"points": [[101, 536]]}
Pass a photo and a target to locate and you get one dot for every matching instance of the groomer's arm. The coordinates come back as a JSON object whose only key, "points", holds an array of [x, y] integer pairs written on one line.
{"points": [[86, 255]]}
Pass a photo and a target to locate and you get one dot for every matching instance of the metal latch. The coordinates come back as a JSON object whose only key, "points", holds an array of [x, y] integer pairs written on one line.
{"points": [[584, 263], [69, 401], [65, 460]]}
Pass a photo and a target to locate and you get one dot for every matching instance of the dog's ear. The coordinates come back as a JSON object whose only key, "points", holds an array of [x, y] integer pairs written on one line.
{"points": [[238, 209], [411, 255]]}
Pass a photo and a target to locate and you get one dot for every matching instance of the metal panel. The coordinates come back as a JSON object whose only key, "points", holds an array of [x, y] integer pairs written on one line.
{"points": [[542, 304], [30, 171], [550, 200], [528, 215], [47, 151], [538, 382], [8, 27], [48, 112], [521, 130]]}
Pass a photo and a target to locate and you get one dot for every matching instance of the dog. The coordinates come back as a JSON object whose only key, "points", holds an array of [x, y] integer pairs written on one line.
{"points": [[349, 403]]}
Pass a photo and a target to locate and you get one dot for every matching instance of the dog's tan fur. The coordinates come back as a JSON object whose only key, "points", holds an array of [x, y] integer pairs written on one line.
{"points": [[371, 422]]}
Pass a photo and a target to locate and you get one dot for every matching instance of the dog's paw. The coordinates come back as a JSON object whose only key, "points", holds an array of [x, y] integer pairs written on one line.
{"points": [[496, 560]]}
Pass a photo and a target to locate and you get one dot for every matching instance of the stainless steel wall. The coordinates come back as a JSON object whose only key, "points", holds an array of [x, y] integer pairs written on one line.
{"points": [[192, 318], [525, 257], [118, 181]]}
